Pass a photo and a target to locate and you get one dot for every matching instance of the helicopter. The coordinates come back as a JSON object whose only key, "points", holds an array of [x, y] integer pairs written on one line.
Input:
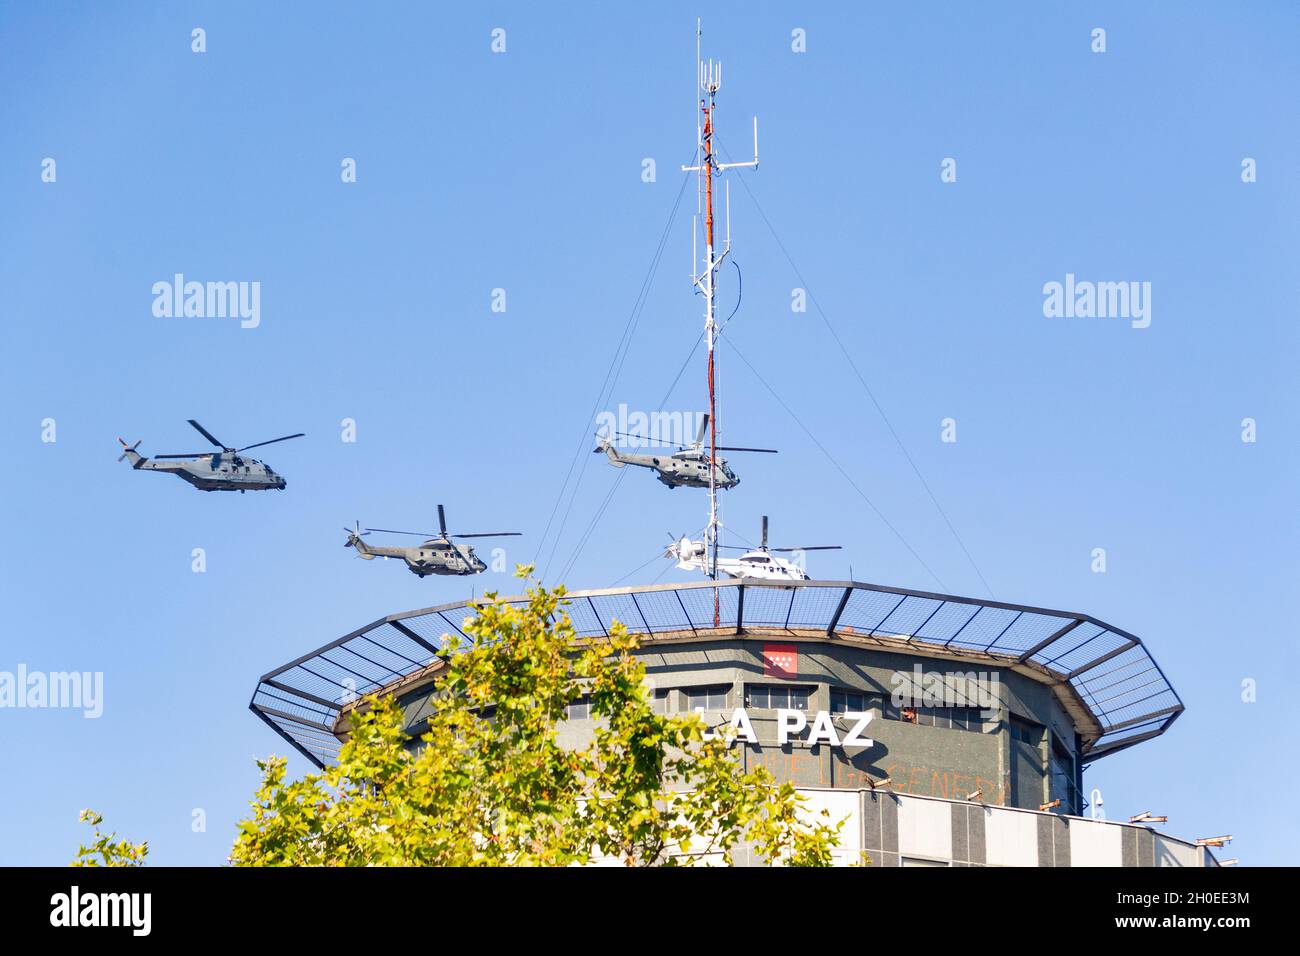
{"points": [[754, 563], [224, 470], [688, 467], [437, 555]]}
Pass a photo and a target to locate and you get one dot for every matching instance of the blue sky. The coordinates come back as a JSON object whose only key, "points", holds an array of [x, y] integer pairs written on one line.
{"points": [[522, 171]]}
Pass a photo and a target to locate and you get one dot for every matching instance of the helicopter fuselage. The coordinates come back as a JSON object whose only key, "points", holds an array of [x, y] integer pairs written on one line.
{"points": [[217, 472], [434, 556], [686, 469], [758, 563]]}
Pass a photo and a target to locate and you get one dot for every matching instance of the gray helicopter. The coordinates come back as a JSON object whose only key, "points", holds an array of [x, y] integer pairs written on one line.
{"points": [[688, 467], [437, 555], [224, 470]]}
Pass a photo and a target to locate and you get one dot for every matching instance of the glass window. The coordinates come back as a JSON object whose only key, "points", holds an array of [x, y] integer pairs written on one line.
{"points": [[580, 709], [948, 718], [779, 698], [707, 698], [1026, 732], [1061, 766], [660, 700], [846, 701]]}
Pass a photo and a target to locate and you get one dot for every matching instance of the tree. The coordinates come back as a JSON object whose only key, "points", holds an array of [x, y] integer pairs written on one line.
{"points": [[108, 850], [488, 783]]}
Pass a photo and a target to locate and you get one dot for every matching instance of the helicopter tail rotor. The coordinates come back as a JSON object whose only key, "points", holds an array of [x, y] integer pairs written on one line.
{"points": [[354, 540], [671, 550], [129, 452], [603, 445]]}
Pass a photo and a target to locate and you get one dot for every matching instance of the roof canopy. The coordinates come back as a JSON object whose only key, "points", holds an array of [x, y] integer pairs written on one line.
{"points": [[1115, 690]]}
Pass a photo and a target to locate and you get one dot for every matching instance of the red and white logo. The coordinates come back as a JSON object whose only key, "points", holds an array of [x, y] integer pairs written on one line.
{"points": [[780, 660]]}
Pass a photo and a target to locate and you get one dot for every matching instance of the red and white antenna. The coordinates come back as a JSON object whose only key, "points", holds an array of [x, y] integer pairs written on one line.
{"points": [[709, 78]]}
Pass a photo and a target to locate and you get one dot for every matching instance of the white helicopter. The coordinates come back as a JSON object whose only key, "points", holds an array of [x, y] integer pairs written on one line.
{"points": [[757, 562]]}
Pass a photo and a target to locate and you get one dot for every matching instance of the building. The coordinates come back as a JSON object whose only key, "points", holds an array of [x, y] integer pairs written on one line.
{"points": [[948, 730]]}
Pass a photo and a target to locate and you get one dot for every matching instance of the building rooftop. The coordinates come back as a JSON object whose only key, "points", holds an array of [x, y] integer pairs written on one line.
{"points": [[1105, 677]]}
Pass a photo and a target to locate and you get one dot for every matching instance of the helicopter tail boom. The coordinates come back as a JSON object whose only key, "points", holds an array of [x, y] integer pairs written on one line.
{"points": [[354, 541], [602, 444]]}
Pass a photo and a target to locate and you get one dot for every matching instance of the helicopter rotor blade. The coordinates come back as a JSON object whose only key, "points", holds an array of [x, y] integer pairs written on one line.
{"points": [[649, 441], [704, 424], [490, 534], [815, 547], [442, 521], [272, 441], [769, 451], [418, 534], [206, 434]]}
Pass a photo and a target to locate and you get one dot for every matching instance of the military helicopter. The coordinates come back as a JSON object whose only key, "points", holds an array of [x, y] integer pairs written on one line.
{"points": [[224, 470], [437, 555], [688, 467], [754, 563]]}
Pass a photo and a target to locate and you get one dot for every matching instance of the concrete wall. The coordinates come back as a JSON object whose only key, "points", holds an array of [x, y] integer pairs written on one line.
{"points": [[929, 761], [919, 760]]}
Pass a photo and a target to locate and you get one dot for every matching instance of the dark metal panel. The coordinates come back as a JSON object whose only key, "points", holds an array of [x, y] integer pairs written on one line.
{"points": [[399, 626], [1050, 640]]}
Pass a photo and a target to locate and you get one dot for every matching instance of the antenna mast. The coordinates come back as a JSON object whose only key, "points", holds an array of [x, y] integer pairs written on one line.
{"points": [[709, 76]]}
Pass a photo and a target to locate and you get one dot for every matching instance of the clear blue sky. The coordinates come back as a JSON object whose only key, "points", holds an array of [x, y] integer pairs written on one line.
{"points": [[523, 171]]}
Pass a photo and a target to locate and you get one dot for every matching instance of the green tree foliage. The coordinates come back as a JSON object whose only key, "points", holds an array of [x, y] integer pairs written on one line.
{"points": [[489, 784], [107, 850]]}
